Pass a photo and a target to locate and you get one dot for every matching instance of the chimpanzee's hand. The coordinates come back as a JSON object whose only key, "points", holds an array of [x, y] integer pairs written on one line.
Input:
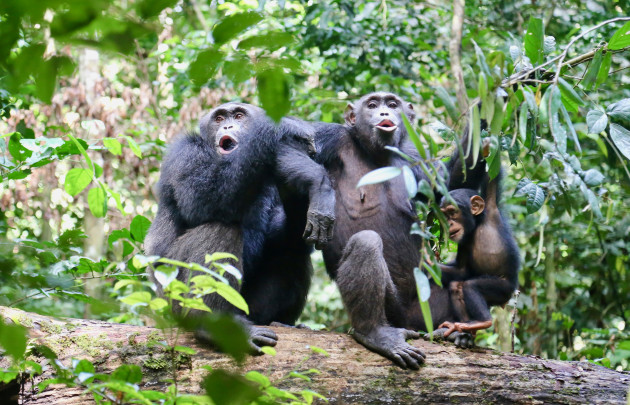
{"points": [[319, 228], [464, 340]]}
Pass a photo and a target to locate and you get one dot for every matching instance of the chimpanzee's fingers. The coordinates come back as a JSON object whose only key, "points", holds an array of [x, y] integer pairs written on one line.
{"points": [[416, 353], [411, 334], [308, 232], [398, 360], [409, 361]]}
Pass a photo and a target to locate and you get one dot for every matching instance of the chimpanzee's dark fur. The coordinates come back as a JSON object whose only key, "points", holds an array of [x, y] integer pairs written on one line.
{"points": [[254, 201]]}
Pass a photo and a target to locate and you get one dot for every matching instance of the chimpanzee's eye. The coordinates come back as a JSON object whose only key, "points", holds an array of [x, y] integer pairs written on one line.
{"points": [[372, 104], [219, 118], [392, 104], [239, 115]]}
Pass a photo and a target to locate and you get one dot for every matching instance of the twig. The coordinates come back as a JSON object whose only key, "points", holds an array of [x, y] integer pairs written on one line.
{"points": [[516, 294], [454, 50]]}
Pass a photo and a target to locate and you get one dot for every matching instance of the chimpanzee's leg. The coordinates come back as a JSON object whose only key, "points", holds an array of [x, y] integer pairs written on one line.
{"points": [[365, 283], [207, 239], [479, 294]]}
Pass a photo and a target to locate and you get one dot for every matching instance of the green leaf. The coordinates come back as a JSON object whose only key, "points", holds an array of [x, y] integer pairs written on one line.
{"points": [[258, 378], [268, 350], [113, 146], [522, 121], [379, 176], [272, 41], [233, 25], [97, 202], [13, 339], [597, 121], [151, 8], [535, 196], [77, 180], [569, 93], [413, 136], [139, 228], [185, 350], [134, 146], [423, 288], [443, 95], [273, 92], [410, 182], [232, 296], [138, 297], [593, 178], [205, 66], [593, 70], [621, 38], [425, 189], [130, 373], [319, 350], [621, 137], [602, 75], [534, 41], [476, 134], [620, 109], [157, 304]]}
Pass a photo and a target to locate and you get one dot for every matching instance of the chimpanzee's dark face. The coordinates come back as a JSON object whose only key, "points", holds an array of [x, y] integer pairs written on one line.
{"points": [[377, 119], [227, 124]]}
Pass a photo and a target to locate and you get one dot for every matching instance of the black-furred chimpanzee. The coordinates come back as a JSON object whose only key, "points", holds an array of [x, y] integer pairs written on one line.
{"points": [[246, 186], [373, 254], [485, 270]]}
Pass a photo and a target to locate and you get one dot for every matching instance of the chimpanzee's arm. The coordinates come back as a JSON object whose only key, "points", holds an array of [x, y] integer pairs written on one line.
{"points": [[302, 174], [450, 272], [165, 228]]}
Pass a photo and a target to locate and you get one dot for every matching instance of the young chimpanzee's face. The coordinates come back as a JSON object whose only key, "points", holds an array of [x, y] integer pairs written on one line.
{"points": [[455, 220], [226, 125], [461, 217], [377, 119]]}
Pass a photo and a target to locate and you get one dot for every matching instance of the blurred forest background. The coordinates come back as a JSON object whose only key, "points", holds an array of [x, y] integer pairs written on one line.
{"points": [[91, 92]]}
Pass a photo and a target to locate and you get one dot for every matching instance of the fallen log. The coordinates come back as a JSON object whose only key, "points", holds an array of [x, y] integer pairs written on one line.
{"points": [[349, 374]]}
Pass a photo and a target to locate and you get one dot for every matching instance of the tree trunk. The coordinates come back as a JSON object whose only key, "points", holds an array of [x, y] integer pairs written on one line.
{"points": [[350, 374]]}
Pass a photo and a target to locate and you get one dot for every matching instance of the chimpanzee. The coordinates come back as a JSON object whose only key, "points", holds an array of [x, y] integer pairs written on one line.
{"points": [[485, 270], [372, 254], [246, 186]]}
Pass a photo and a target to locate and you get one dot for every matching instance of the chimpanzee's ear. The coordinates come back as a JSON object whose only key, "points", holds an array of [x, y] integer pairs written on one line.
{"points": [[477, 205], [411, 114], [349, 115]]}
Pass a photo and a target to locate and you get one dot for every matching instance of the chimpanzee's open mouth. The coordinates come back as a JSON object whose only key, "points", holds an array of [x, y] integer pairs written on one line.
{"points": [[387, 125], [227, 144]]}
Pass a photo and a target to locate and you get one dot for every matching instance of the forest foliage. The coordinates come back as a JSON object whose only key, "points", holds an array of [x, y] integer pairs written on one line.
{"points": [[91, 93]]}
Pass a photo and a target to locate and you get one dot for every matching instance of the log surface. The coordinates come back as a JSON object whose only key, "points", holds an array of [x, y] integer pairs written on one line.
{"points": [[350, 374]]}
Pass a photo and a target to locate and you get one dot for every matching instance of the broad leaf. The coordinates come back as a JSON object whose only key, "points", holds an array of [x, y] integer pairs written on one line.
{"points": [[379, 176], [621, 38], [621, 137], [97, 202], [139, 228], [113, 146], [593, 178], [77, 180], [273, 92], [597, 121], [534, 41], [410, 182], [620, 110], [233, 25]]}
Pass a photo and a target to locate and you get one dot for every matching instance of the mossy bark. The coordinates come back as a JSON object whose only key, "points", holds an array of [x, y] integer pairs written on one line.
{"points": [[350, 374]]}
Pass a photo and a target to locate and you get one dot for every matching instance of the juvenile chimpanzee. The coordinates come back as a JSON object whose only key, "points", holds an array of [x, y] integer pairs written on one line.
{"points": [[246, 186], [372, 254], [485, 270]]}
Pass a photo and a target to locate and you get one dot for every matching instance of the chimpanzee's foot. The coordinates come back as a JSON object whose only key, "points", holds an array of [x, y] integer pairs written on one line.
{"points": [[259, 337], [391, 343], [464, 340]]}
